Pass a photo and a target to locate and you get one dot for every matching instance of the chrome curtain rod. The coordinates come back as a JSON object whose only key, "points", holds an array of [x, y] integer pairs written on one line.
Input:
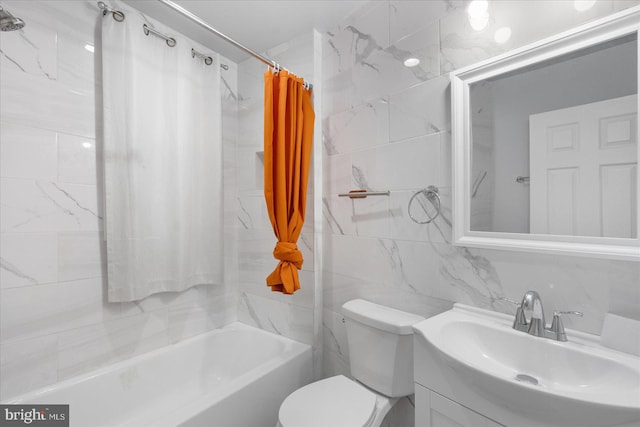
{"points": [[171, 42], [184, 12]]}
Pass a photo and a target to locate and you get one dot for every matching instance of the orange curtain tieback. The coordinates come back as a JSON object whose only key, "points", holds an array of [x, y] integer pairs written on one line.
{"points": [[285, 277], [288, 252]]}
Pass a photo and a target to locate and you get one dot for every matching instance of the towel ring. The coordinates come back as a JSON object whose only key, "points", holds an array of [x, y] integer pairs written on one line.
{"points": [[431, 193]]}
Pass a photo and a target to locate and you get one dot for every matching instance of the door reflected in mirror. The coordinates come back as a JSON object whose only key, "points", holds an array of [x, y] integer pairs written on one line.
{"points": [[554, 145]]}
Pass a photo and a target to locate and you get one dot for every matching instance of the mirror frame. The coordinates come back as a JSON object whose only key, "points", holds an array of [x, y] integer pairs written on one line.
{"points": [[611, 27]]}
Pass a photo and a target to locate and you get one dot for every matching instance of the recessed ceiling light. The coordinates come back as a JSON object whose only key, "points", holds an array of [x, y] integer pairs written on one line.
{"points": [[411, 62], [502, 35], [582, 5], [89, 47]]}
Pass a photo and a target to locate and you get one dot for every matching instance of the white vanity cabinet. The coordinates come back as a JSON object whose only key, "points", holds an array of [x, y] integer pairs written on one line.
{"points": [[464, 366], [434, 410]]}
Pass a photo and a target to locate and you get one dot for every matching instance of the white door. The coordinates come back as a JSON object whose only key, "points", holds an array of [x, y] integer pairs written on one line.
{"points": [[583, 169]]}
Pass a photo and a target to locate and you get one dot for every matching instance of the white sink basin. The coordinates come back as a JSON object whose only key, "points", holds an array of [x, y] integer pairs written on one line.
{"points": [[578, 382]]}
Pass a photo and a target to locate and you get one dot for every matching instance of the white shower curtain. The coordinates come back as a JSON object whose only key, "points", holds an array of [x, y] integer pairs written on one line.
{"points": [[162, 161]]}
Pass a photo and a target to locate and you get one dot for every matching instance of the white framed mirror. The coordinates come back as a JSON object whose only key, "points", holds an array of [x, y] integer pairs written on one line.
{"points": [[545, 144]]}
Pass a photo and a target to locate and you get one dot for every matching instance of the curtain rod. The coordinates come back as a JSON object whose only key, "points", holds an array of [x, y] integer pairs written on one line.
{"points": [[184, 12]]}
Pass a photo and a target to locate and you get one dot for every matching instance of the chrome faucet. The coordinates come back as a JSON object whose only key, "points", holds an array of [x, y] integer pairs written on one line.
{"points": [[530, 318], [532, 309]]}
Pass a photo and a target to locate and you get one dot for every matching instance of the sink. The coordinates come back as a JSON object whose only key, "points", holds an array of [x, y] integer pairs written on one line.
{"points": [[498, 369]]}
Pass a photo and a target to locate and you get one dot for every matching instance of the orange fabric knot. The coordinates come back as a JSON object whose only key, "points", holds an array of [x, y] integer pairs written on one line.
{"points": [[288, 252]]}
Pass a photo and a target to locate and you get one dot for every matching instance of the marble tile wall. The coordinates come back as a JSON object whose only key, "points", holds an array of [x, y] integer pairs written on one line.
{"points": [[288, 315], [388, 127], [55, 322], [384, 127]]}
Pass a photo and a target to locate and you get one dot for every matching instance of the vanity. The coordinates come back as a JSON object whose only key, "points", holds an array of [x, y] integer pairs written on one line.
{"points": [[476, 368]]}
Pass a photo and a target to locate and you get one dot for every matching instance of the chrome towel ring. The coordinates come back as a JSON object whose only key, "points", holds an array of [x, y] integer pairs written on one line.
{"points": [[432, 194]]}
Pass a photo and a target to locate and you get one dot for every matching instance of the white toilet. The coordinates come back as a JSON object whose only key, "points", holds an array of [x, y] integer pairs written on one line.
{"points": [[381, 356]]}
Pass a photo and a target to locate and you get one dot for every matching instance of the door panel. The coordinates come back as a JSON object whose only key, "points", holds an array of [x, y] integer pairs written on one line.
{"points": [[582, 179]]}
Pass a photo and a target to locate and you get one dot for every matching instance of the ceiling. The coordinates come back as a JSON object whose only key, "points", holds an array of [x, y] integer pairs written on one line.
{"points": [[257, 24]]}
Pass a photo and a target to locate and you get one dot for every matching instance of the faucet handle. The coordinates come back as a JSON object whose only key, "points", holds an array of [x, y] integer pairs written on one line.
{"points": [[557, 327], [519, 322], [575, 313], [512, 301]]}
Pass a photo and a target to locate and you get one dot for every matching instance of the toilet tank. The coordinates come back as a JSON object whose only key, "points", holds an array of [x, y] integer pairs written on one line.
{"points": [[380, 346]]}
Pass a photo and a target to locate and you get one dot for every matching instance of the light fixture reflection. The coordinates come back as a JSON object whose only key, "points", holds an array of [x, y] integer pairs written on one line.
{"points": [[411, 62], [478, 14], [582, 5], [89, 47], [478, 7], [502, 35]]}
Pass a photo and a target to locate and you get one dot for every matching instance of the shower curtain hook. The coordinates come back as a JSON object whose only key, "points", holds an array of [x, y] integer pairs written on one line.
{"points": [[276, 68], [117, 15]]}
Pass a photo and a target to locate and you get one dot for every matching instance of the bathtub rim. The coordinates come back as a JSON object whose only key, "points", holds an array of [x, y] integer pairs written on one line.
{"points": [[237, 384], [25, 398]]}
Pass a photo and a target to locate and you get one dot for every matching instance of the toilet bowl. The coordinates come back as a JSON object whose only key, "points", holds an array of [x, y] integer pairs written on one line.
{"points": [[380, 381], [336, 401]]}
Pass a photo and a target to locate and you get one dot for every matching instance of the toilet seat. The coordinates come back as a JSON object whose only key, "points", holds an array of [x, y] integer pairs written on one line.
{"points": [[336, 402]]}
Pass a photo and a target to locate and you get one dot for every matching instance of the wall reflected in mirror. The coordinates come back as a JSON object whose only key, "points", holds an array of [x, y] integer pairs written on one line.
{"points": [[554, 145]]}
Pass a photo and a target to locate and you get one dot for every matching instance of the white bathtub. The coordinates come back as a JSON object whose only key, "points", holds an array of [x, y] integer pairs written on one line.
{"points": [[235, 376]]}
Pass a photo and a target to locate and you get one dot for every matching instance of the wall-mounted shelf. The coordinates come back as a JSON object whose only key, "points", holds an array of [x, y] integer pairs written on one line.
{"points": [[362, 194]]}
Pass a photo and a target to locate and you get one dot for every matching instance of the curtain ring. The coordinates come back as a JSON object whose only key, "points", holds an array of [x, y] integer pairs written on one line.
{"points": [[207, 59], [117, 15], [431, 193], [171, 42]]}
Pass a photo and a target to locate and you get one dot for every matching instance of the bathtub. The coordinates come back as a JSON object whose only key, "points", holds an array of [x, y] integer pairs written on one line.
{"points": [[234, 376]]}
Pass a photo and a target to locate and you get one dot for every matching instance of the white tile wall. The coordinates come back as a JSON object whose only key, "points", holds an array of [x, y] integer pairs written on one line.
{"points": [[28, 259], [80, 255], [388, 128], [77, 158], [530, 21], [21, 142], [54, 320], [86, 348], [361, 127], [28, 364], [420, 110]]}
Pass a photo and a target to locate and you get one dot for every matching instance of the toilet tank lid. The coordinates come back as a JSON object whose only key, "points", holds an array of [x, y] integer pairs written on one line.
{"points": [[380, 317]]}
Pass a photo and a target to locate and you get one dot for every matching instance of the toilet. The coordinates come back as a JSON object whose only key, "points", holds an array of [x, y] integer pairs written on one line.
{"points": [[380, 343]]}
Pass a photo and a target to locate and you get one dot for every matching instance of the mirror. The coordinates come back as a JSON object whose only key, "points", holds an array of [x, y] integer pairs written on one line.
{"points": [[546, 144]]}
